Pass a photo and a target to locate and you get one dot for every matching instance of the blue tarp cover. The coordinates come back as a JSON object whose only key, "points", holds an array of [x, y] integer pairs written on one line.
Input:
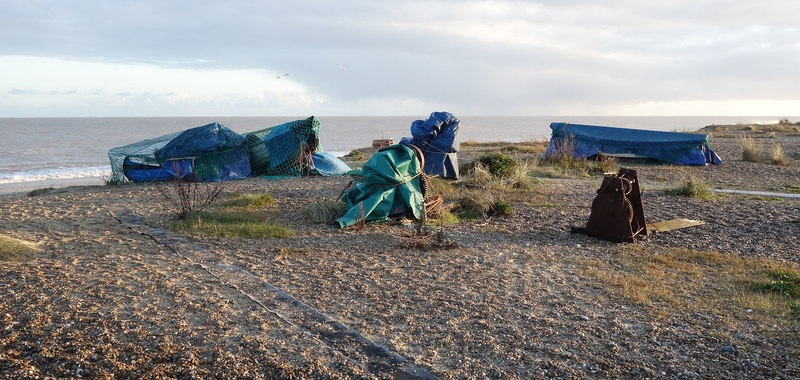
{"points": [[328, 165], [215, 153], [590, 140], [437, 138]]}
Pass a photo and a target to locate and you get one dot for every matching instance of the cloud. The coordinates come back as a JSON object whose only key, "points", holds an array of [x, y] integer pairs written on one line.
{"points": [[476, 57]]}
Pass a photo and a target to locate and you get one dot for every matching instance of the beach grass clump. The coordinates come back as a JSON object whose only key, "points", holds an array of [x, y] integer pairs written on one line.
{"points": [[325, 212], [521, 178], [692, 187], [12, 249], [478, 175], [442, 186], [752, 151], [778, 157], [229, 225], [474, 204], [248, 200], [700, 282], [499, 164]]}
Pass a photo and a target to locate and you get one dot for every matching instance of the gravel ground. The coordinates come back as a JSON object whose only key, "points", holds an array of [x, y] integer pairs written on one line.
{"points": [[512, 300]]}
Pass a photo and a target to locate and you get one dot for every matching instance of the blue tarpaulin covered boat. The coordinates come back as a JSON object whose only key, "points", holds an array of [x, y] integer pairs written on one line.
{"points": [[590, 140], [437, 138]]}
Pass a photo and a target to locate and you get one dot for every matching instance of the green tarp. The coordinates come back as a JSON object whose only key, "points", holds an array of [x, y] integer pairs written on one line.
{"points": [[391, 187]]}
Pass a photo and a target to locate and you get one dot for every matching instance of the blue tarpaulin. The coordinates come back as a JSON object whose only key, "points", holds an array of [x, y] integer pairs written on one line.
{"points": [[212, 151], [589, 140], [437, 138]]}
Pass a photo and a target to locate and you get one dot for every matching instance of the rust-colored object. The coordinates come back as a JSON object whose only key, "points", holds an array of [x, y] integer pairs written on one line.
{"points": [[617, 212], [382, 143]]}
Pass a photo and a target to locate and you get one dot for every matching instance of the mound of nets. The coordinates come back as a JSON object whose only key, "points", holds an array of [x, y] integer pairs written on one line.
{"points": [[284, 150], [210, 152], [136, 157]]}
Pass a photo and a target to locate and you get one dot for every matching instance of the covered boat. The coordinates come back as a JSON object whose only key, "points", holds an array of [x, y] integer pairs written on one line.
{"points": [[211, 152], [583, 141], [392, 187], [437, 138]]}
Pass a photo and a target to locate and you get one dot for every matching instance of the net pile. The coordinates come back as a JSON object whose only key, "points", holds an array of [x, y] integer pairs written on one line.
{"points": [[284, 150], [139, 155]]}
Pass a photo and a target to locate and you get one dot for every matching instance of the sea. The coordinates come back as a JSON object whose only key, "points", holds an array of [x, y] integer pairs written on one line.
{"points": [[57, 152]]}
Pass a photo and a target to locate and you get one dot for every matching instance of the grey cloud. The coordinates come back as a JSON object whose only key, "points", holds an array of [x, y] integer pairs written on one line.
{"points": [[594, 52]]}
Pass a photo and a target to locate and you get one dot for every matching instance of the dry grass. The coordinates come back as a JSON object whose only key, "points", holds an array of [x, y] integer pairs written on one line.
{"points": [[325, 212], [12, 249], [686, 281], [778, 157], [752, 151]]}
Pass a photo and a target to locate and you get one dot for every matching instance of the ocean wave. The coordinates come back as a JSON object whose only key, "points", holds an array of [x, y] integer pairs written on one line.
{"points": [[55, 174]]}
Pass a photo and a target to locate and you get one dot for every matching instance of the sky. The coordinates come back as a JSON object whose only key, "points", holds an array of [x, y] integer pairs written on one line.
{"points": [[382, 58]]}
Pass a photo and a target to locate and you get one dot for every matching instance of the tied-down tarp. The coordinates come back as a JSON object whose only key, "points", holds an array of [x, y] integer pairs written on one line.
{"points": [[391, 187], [590, 140], [211, 152], [437, 138]]}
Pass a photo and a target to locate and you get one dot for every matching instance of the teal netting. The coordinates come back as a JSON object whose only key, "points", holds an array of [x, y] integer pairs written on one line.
{"points": [[284, 150], [139, 154]]}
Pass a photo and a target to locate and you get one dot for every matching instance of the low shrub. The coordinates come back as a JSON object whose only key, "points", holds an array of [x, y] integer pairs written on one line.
{"points": [[498, 164], [500, 208]]}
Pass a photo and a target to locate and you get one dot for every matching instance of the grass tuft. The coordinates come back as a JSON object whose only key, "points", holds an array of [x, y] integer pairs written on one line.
{"points": [[778, 157], [752, 151], [229, 225], [249, 200], [325, 211], [692, 187], [12, 249]]}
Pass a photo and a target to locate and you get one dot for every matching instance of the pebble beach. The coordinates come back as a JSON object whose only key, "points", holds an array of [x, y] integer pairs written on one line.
{"points": [[515, 297]]}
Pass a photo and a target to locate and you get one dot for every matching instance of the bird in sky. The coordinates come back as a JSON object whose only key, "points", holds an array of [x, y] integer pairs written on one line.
{"points": [[341, 67], [281, 76]]}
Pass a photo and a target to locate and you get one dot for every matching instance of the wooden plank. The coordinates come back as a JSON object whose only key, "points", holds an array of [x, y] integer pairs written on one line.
{"points": [[674, 224]]}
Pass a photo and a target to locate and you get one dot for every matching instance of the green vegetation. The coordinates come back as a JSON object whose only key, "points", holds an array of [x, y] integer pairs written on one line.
{"points": [[699, 282], [787, 188], [249, 200], [356, 155], [784, 283], [500, 208], [498, 164], [12, 249], [692, 187], [230, 225]]}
